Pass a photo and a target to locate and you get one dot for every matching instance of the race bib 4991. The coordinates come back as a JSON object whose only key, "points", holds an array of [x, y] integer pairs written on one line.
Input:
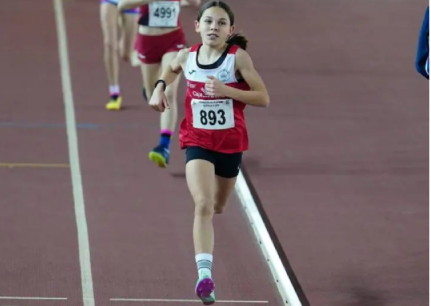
{"points": [[164, 13]]}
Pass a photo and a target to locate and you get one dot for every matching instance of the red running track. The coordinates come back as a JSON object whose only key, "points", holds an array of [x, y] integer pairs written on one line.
{"points": [[346, 198], [137, 219]]}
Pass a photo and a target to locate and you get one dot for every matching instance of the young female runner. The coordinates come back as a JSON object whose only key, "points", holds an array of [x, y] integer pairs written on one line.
{"points": [[221, 81], [113, 18]]}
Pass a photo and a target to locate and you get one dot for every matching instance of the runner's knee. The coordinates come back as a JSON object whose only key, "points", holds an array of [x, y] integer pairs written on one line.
{"points": [[204, 206], [111, 46]]}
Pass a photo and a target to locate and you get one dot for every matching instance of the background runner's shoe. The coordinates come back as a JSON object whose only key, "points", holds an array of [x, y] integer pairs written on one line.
{"points": [[160, 156], [114, 104]]}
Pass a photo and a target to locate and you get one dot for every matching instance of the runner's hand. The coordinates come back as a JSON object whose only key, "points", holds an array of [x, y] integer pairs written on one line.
{"points": [[158, 101], [195, 3], [125, 57], [214, 87]]}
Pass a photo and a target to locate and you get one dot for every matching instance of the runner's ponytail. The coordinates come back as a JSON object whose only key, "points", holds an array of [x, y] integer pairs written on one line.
{"points": [[239, 40]]}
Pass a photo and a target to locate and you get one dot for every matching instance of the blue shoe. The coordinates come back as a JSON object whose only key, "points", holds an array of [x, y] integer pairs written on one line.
{"points": [[160, 156]]}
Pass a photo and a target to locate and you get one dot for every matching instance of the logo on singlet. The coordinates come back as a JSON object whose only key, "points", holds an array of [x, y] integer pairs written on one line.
{"points": [[192, 71], [223, 75]]}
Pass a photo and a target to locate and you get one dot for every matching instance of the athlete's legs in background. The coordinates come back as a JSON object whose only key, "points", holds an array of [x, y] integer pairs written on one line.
{"points": [[150, 74], [129, 30], [108, 17], [168, 119]]}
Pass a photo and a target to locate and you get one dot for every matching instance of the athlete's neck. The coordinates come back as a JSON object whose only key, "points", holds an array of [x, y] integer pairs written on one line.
{"points": [[208, 55]]}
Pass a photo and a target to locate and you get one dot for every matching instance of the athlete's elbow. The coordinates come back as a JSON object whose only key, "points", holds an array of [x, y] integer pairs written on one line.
{"points": [[265, 100]]}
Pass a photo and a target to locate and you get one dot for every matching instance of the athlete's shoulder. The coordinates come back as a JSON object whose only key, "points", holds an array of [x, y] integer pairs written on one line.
{"points": [[195, 47], [239, 52], [183, 54], [242, 57]]}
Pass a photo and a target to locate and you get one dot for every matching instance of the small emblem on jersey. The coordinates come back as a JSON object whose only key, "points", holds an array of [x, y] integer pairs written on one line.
{"points": [[223, 75], [192, 71]]}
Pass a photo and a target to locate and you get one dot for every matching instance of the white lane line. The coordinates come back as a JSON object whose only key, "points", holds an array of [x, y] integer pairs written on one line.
{"points": [[78, 194], [185, 301], [281, 278], [33, 298]]}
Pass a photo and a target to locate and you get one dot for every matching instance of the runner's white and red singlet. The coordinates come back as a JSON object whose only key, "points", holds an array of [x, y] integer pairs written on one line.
{"points": [[161, 14], [213, 123]]}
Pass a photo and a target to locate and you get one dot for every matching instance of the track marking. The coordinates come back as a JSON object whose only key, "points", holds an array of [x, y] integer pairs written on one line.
{"points": [[281, 278], [185, 301], [83, 125], [78, 194], [33, 298], [31, 165]]}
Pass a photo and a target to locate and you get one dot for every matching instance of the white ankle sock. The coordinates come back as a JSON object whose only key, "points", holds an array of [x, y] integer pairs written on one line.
{"points": [[204, 263], [114, 89]]}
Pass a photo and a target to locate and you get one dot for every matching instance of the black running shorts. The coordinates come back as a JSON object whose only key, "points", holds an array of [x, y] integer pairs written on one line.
{"points": [[227, 165]]}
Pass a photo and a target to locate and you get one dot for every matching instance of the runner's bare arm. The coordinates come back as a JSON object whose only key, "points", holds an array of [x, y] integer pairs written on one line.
{"points": [[172, 71], [258, 95], [131, 4]]}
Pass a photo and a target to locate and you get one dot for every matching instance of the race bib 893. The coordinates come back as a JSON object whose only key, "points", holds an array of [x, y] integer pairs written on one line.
{"points": [[213, 114]]}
